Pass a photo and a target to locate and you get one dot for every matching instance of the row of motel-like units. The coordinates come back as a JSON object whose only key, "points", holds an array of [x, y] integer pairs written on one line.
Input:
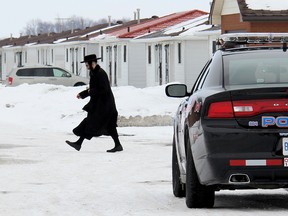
{"points": [[146, 52]]}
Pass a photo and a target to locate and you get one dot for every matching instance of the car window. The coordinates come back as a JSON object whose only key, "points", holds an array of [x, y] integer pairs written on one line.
{"points": [[199, 80], [43, 72], [25, 72], [215, 76], [60, 73], [256, 68]]}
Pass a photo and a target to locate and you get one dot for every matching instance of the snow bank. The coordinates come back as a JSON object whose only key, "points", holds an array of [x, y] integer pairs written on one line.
{"points": [[48, 106]]}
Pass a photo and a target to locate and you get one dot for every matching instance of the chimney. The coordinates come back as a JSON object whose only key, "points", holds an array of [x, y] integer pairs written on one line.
{"points": [[138, 15], [11, 36], [135, 15], [109, 20]]}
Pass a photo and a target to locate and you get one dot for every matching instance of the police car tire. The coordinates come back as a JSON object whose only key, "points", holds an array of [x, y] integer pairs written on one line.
{"points": [[178, 186], [197, 195]]}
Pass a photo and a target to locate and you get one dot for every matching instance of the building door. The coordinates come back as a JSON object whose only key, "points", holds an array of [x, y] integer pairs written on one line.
{"points": [[18, 56], [109, 62], [158, 63], [72, 63], [77, 61], [115, 65], [167, 63]]}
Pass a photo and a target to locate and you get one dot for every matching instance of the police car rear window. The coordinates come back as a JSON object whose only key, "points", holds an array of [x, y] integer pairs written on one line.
{"points": [[256, 68]]}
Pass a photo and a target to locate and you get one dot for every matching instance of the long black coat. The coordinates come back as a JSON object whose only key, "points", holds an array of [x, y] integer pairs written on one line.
{"points": [[102, 113]]}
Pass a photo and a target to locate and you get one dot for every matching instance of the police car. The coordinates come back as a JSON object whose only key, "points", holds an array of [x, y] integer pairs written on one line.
{"points": [[231, 130]]}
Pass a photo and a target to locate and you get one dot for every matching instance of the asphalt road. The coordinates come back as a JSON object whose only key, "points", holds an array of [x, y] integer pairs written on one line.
{"points": [[41, 175]]}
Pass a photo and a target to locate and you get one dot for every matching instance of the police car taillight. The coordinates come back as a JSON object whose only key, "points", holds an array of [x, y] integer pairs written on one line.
{"points": [[246, 108], [221, 109]]}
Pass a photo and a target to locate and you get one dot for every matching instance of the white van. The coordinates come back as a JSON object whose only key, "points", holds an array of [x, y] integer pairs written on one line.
{"points": [[44, 74]]}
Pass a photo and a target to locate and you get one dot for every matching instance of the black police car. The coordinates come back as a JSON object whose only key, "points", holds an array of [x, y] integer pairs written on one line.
{"points": [[231, 131]]}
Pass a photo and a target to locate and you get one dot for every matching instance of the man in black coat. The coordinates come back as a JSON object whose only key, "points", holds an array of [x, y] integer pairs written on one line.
{"points": [[101, 109]]}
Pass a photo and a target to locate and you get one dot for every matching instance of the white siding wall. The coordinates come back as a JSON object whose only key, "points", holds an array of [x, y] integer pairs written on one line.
{"points": [[172, 62], [179, 68], [230, 7], [150, 67], [137, 65], [196, 56], [59, 56], [123, 66], [8, 62]]}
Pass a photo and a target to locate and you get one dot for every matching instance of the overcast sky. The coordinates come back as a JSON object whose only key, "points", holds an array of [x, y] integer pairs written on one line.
{"points": [[15, 15]]}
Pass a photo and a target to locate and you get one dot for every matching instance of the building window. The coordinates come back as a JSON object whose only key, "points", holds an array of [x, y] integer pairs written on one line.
{"points": [[38, 56], [67, 55], [5, 58], [25, 56], [102, 53], [84, 52], [214, 46], [52, 55], [149, 54], [179, 53], [125, 53]]}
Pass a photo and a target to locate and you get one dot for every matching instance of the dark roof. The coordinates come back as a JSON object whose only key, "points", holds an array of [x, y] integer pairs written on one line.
{"points": [[76, 35], [261, 15], [110, 30], [51, 37]]}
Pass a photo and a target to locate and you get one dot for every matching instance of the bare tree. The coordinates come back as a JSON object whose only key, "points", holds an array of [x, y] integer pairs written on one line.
{"points": [[37, 26]]}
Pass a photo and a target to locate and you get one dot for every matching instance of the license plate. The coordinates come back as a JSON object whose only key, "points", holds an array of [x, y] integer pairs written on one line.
{"points": [[285, 146]]}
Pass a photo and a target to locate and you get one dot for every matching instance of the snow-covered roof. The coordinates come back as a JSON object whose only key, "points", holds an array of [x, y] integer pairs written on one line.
{"points": [[272, 5], [186, 29], [187, 24]]}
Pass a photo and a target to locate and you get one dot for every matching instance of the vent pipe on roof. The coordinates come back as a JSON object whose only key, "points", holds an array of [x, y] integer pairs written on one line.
{"points": [[138, 15], [109, 20], [135, 15]]}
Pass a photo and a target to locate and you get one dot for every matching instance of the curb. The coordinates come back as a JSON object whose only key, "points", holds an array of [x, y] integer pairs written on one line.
{"points": [[147, 121]]}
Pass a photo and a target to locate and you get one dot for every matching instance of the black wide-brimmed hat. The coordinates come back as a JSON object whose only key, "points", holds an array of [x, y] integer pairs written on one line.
{"points": [[90, 58]]}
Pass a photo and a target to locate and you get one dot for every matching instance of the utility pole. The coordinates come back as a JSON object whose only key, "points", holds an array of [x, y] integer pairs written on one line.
{"points": [[61, 21]]}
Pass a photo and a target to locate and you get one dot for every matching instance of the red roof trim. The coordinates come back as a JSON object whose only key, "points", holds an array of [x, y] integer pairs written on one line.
{"points": [[171, 19]]}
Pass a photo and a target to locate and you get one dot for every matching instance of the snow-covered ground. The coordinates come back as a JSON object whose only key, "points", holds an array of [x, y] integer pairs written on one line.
{"points": [[41, 175]]}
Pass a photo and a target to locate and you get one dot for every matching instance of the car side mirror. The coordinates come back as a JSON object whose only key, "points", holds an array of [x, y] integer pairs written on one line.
{"points": [[176, 90]]}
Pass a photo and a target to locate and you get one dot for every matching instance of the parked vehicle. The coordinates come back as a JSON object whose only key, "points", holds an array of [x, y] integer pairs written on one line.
{"points": [[231, 130], [44, 74]]}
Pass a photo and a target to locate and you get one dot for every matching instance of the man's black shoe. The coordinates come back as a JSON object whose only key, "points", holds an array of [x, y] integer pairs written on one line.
{"points": [[75, 145], [115, 149]]}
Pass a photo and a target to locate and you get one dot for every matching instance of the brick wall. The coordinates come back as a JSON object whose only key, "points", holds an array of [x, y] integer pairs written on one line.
{"points": [[231, 23], [269, 27]]}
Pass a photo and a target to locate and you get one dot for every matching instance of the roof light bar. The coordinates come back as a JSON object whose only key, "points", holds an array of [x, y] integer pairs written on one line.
{"points": [[233, 40], [255, 37]]}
